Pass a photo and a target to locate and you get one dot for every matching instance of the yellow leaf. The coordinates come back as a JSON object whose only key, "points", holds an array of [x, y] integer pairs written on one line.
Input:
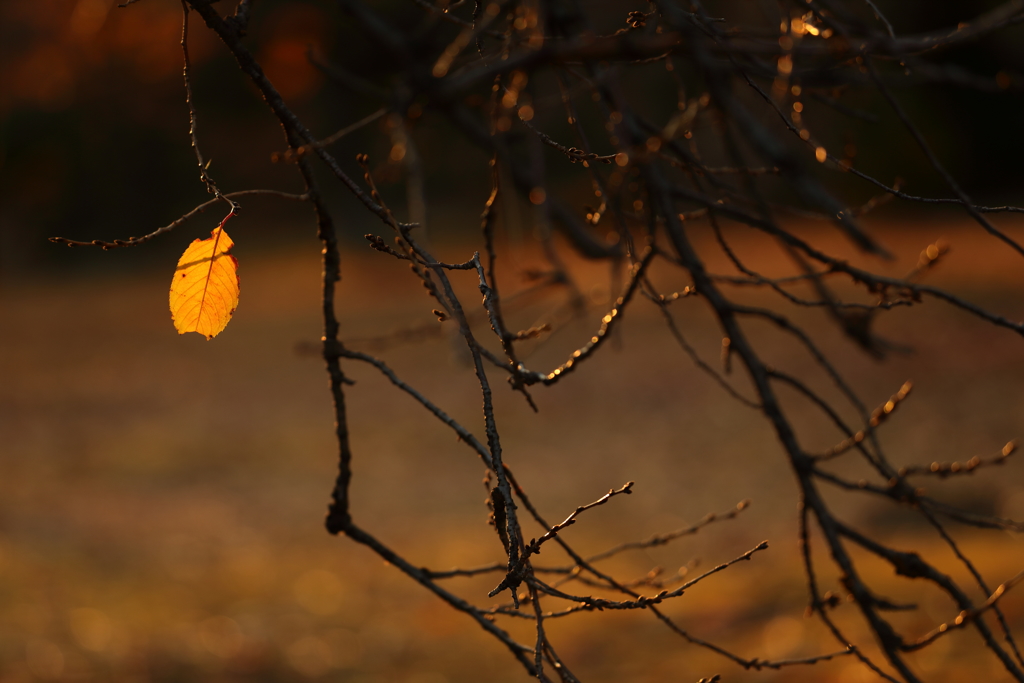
{"points": [[204, 291]]}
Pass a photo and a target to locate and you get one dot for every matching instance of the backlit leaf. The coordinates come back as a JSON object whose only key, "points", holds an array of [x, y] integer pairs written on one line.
{"points": [[204, 291]]}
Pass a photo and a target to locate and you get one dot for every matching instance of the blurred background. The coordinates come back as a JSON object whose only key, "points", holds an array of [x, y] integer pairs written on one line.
{"points": [[91, 114], [162, 497]]}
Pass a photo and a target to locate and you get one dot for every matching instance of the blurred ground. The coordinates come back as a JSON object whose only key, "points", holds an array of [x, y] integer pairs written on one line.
{"points": [[162, 497]]}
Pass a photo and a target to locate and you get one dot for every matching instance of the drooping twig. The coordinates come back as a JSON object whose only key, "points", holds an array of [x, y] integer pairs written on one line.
{"points": [[135, 241]]}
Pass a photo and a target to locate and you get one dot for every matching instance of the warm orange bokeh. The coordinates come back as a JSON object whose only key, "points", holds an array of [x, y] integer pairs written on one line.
{"points": [[69, 42], [295, 30]]}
